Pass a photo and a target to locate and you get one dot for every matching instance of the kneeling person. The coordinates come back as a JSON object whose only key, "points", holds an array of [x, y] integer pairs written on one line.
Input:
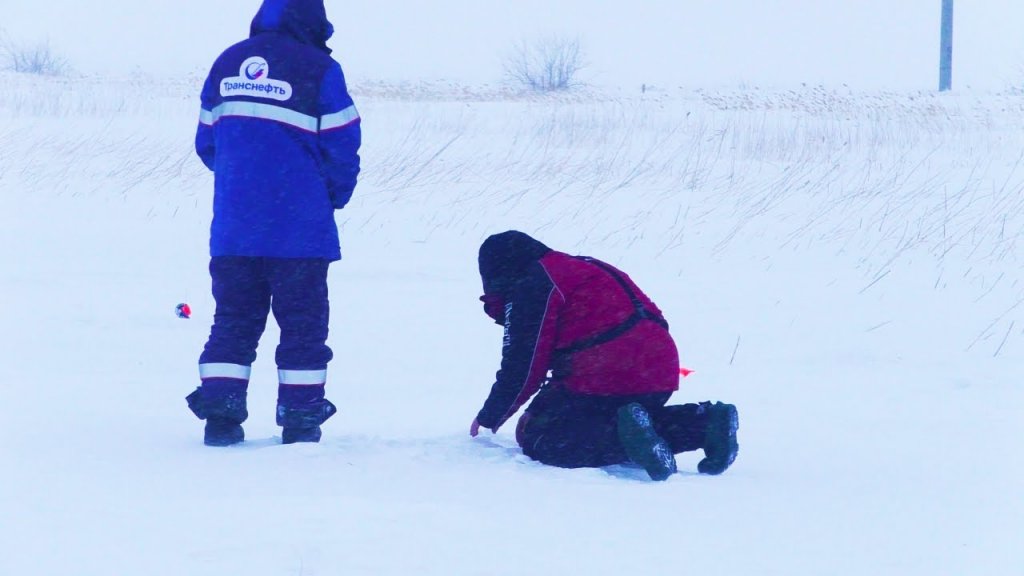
{"points": [[613, 366]]}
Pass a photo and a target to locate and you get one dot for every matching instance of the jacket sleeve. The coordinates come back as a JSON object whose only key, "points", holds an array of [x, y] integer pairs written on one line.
{"points": [[340, 137], [205, 145], [531, 316]]}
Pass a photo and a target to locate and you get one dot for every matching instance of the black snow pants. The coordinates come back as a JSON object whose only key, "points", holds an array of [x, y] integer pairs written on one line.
{"points": [[569, 430]]}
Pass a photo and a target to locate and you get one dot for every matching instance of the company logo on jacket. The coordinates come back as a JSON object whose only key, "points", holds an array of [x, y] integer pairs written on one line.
{"points": [[256, 70], [254, 80]]}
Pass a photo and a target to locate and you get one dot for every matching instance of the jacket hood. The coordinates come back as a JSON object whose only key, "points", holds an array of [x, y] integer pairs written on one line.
{"points": [[505, 257], [303, 20]]}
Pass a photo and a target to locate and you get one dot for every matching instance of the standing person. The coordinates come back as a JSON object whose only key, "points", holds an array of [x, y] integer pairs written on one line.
{"points": [[613, 366], [281, 134]]}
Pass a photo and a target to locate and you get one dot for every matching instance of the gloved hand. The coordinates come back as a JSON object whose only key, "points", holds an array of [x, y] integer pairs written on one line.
{"points": [[474, 429]]}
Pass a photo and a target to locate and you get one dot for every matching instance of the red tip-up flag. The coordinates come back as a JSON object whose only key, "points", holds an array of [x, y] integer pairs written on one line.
{"points": [[685, 372]]}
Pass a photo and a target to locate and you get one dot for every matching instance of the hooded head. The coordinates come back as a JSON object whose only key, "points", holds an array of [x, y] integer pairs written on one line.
{"points": [[303, 20], [505, 257]]}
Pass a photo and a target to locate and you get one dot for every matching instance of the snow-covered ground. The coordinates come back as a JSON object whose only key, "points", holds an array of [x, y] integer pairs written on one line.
{"points": [[845, 265]]}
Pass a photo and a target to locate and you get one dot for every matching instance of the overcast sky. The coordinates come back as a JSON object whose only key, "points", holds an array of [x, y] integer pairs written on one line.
{"points": [[868, 44]]}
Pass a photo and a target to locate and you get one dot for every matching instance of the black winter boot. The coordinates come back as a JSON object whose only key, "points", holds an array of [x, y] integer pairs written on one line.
{"points": [[222, 432], [294, 435], [642, 444], [720, 446], [224, 414], [302, 423]]}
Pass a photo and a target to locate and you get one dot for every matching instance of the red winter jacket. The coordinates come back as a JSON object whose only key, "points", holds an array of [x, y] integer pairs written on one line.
{"points": [[552, 305]]}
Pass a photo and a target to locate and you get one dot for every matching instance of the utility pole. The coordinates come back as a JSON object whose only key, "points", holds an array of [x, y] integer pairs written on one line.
{"points": [[946, 47]]}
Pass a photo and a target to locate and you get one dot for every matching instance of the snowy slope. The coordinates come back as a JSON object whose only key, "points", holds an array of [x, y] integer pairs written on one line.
{"points": [[842, 264]]}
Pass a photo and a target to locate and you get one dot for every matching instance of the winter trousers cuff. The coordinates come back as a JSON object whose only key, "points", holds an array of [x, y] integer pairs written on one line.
{"points": [[305, 416], [228, 406]]}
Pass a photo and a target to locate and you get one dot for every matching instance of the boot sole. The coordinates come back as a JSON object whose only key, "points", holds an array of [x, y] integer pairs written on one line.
{"points": [[731, 420], [642, 444]]}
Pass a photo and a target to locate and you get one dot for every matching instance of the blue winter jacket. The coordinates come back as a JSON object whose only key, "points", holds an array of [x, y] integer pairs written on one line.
{"points": [[282, 135]]}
